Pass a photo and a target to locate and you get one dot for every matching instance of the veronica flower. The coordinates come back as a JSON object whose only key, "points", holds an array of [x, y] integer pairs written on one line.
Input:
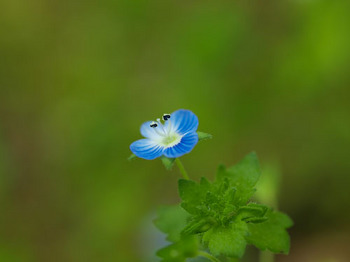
{"points": [[172, 137]]}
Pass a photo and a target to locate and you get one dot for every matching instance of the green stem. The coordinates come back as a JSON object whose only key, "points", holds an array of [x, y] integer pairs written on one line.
{"points": [[208, 256], [182, 168]]}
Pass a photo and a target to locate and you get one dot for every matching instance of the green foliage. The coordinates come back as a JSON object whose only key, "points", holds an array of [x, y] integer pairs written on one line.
{"points": [[243, 176], [204, 136], [171, 220], [227, 240], [220, 215], [179, 251], [167, 162], [252, 211], [272, 234], [132, 157]]}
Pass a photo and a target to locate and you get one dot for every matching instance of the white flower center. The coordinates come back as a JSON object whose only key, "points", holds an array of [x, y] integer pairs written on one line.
{"points": [[171, 140], [168, 137]]}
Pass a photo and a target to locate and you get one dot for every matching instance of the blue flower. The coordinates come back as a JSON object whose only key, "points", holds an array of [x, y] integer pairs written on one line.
{"points": [[173, 138]]}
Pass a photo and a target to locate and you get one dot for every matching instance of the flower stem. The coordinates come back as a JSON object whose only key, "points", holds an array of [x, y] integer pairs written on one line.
{"points": [[182, 168], [208, 256]]}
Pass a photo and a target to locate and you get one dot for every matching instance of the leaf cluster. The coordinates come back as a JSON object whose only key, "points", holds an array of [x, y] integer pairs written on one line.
{"points": [[219, 216]]}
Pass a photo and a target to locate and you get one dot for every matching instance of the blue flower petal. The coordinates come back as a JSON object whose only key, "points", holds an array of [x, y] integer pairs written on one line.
{"points": [[184, 121], [147, 149], [186, 144], [150, 132]]}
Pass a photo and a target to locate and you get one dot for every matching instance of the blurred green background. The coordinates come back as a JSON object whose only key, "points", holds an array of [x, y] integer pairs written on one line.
{"points": [[77, 79]]}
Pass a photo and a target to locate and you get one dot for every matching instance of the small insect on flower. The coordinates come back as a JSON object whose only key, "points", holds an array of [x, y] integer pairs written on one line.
{"points": [[173, 138]]}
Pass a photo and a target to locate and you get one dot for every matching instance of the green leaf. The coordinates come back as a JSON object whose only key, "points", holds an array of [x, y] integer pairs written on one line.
{"points": [[251, 211], [198, 226], [132, 157], [243, 176], [171, 220], [205, 183], [228, 241], [179, 251], [167, 162], [188, 190], [255, 220], [203, 136], [220, 216], [192, 194], [208, 201], [271, 234]]}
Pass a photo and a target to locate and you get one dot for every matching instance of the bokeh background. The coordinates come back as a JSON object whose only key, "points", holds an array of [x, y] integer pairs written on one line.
{"points": [[77, 79]]}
